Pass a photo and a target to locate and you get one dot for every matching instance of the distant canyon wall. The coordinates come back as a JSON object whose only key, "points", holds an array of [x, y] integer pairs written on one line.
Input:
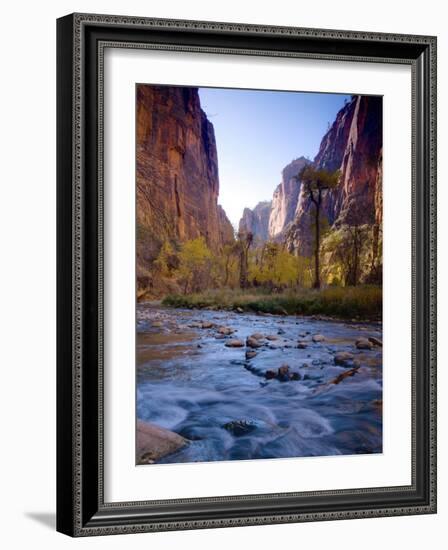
{"points": [[353, 145], [256, 221]]}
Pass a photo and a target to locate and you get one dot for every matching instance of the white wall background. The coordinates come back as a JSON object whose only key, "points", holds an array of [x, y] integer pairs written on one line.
{"points": [[27, 273]]}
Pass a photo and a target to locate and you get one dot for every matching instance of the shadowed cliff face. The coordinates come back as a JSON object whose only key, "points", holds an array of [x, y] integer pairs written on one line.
{"points": [[177, 173], [353, 146]]}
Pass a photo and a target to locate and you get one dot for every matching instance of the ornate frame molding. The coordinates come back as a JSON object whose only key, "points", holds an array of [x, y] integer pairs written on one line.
{"points": [[82, 511]]}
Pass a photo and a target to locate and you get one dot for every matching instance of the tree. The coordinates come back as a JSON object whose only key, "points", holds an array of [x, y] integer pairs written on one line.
{"points": [[315, 185], [304, 271], [230, 254], [195, 265], [347, 251], [167, 261], [245, 239]]}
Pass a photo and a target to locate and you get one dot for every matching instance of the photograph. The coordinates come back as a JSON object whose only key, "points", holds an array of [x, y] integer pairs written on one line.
{"points": [[258, 274]]}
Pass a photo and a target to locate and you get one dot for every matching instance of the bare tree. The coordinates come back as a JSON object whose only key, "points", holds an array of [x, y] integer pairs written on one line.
{"points": [[315, 184], [245, 239]]}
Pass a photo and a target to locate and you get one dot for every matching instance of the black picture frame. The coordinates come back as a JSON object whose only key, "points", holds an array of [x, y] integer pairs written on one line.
{"points": [[81, 510]]}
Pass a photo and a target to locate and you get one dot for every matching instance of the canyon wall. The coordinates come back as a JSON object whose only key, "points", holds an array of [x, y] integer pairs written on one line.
{"points": [[256, 221], [285, 199], [353, 145], [177, 174], [269, 219]]}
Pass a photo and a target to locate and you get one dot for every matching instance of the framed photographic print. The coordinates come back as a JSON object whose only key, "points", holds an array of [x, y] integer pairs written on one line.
{"points": [[246, 274]]}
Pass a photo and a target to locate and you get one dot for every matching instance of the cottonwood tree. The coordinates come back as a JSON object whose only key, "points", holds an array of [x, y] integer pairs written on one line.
{"points": [[245, 240], [230, 256], [274, 268], [195, 265], [347, 247], [316, 183]]}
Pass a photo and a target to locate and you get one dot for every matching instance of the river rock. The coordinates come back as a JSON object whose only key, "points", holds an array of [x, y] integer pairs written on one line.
{"points": [[376, 341], [343, 358], [283, 373], [250, 354], [207, 324], [344, 375], [363, 343], [318, 338], [239, 310], [302, 345], [240, 427], [257, 336], [157, 324], [226, 331], [253, 342], [272, 337], [270, 374], [234, 343], [154, 442]]}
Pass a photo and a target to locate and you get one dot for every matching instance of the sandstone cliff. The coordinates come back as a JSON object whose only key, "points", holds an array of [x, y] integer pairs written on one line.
{"points": [[352, 145], [177, 174], [285, 199], [256, 221]]}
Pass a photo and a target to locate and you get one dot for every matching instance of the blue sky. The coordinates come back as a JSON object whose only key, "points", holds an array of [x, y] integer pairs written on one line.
{"points": [[258, 133]]}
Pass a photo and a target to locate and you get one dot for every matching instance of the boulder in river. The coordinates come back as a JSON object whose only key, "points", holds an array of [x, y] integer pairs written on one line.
{"points": [[302, 345], [343, 358], [318, 338], [253, 342], [257, 336], [154, 442], [283, 373], [272, 337], [363, 343], [207, 324], [270, 374], [250, 354], [234, 343], [226, 331]]}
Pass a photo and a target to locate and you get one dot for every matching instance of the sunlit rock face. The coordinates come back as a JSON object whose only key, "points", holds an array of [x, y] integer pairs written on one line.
{"points": [[353, 145], [177, 172], [285, 199], [256, 221]]}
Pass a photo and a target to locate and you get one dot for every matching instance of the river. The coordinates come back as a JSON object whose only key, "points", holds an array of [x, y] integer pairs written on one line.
{"points": [[190, 381]]}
